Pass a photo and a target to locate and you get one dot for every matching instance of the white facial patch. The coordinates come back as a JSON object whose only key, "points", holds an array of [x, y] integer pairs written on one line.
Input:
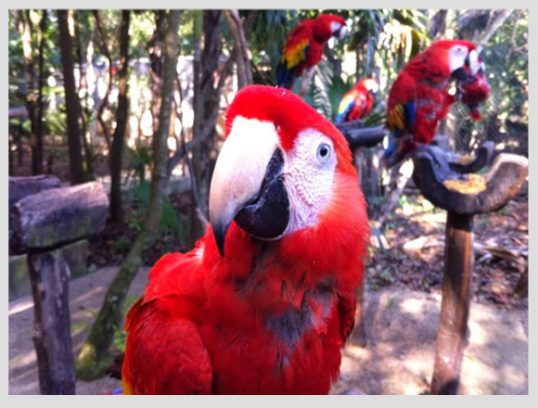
{"points": [[474, 63], [308, 177], [457, 56], [372, 86]]}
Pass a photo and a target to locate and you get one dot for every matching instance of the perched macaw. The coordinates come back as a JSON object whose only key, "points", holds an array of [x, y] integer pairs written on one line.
{"points": [[304, 46], [419, 97], [473, 93], [358, 101], [265, 301]]}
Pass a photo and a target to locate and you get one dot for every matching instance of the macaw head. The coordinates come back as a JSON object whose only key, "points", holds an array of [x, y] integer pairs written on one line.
{"points": [[370, 84], [450, 58], [284, 173], [326, 26]]}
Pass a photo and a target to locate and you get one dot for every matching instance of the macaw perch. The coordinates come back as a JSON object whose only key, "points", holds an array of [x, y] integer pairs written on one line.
{"points": [[357, 135], [501, 183]]}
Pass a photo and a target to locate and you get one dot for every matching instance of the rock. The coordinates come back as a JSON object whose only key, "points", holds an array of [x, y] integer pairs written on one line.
{"points": [[19, 279], [59, 216], [20, 187]]}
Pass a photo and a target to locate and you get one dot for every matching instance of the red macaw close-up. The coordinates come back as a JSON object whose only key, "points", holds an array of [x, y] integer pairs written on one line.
{"points": [[265, 301], [419, 97], [358, 101], [304, 46]]}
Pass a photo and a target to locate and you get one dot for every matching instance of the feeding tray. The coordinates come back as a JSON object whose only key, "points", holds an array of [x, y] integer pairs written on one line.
{"points": [[456, 187]]}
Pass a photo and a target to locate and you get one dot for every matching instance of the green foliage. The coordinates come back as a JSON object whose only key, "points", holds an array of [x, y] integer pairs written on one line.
{"points": [[56, 122], [170, 223], [137, 159]]}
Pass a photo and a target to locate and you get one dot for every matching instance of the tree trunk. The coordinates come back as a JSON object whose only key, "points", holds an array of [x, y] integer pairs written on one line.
{"points": [[25, 30], [94, 356], [84, 110], [438, 24], [104, 49], [72, 104], [155, 49], [41, 84], [206, 99], [116, 212]]}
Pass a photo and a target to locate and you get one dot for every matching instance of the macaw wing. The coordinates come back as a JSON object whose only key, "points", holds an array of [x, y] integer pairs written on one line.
{"points": [[346, 105], [401, 117], [296, 49], [165, 353]]}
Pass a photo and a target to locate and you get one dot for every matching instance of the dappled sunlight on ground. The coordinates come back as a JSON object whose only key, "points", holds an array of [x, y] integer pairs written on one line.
{"points": [[412, 255], [401, 329], [86, 294]]}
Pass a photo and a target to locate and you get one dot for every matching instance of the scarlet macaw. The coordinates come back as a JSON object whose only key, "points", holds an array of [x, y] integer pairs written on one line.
{"points": [[358, 101], [304, 46], [265, 301], [419, 97]]}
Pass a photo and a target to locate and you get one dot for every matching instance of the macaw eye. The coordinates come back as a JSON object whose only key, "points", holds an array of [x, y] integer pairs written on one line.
{"points": [[323, 153]]}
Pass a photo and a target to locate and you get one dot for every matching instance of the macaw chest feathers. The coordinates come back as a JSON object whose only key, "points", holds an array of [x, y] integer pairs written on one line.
{"points": [[296, 311], [289, 303]]}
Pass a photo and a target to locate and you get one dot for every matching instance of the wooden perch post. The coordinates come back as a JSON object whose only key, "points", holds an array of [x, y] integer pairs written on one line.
{"points": [[43, 223], [462, 198]]}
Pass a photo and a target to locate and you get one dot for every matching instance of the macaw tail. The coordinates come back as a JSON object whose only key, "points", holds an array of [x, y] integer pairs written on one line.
{"points": [[340, 117], [284, 76]]}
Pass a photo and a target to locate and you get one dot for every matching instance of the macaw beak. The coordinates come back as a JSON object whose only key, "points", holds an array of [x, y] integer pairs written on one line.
{"points": [[463, 76], [343, 32], [247, 183]]}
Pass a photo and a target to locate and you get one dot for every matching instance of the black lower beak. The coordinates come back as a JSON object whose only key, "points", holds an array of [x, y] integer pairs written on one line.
{"points": [[267, 215], [463, 77]]}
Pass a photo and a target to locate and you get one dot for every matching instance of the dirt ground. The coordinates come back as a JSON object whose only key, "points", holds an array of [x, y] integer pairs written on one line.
{"points": [[401, 329]]}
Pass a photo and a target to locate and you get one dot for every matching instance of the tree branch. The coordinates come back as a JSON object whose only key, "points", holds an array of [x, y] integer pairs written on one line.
{"points": [[244, 73], [491, 28]]}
